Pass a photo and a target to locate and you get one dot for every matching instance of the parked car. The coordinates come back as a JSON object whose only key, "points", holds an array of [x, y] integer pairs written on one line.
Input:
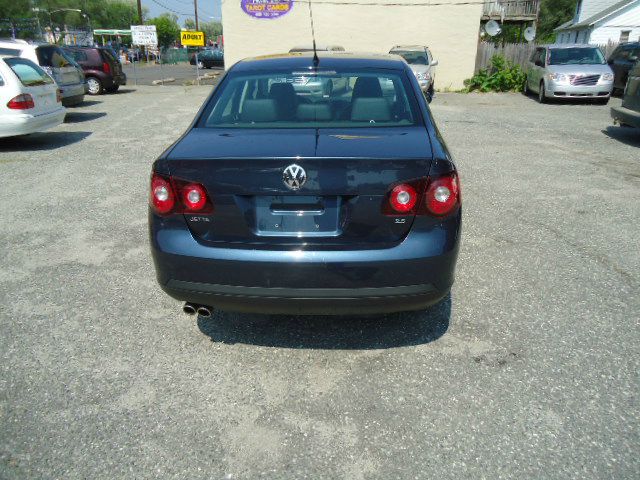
{"points": [[208, 58], [421, 61], [622, 61], [30, 101], [569, 72], [53, 60], [629, 113], [102, 69], [318, 86], [272, 202]]}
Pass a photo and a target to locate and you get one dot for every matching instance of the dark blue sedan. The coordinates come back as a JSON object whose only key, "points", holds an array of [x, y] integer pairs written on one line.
{"points": [[274, 202]]}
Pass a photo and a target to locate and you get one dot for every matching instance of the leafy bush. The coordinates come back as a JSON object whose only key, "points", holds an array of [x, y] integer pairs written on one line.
{"points": [[503, 76]]}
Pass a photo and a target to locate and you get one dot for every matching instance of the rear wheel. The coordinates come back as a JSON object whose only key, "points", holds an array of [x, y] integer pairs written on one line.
{"points": [[542, 94], [94, 85]]}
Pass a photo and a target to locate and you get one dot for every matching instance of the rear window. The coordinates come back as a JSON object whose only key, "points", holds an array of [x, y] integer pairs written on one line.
{"points": [[109, 55], [52, 56], [28, 72], [10, 51], [313, 100]]}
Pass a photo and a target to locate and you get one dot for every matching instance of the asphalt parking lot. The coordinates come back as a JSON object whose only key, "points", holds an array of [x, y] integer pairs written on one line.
{"points": [[529, 371]]}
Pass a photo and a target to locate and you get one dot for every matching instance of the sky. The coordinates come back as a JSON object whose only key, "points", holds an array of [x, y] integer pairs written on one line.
{"points": [[184, 9]]}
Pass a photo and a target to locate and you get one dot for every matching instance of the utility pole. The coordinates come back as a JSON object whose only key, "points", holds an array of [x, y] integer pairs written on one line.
{"points": [[195, 6], [140, 12]]}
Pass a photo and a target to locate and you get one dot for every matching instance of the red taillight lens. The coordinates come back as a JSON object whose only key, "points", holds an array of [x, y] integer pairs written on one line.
{"points": [[443, 195], [106, 68], [58, 96], [162, 197], [21, 102], [194, 197], [403, 198], [172, 195]]}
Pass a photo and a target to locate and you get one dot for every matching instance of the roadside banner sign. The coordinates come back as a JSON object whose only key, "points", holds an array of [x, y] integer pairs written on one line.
{"points": [[144, 35], [192, 39]]}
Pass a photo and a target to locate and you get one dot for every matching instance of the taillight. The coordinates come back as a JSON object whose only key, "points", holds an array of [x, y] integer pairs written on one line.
{"points": [[443, 194], [58, 96], [403, 198], [173, 195], [194, 197], [21, 102], [106, 68], [437, 196], [162, 197]]}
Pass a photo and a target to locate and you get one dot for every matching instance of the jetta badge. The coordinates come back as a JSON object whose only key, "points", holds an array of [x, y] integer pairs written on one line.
{"points": [[294, 176]]}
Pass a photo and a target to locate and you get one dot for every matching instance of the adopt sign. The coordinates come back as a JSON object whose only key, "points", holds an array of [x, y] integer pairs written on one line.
{"points": [[192, 39]]}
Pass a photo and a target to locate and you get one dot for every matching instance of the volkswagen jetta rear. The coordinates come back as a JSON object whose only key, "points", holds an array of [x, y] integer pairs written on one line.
{"points": [[277, 203]]}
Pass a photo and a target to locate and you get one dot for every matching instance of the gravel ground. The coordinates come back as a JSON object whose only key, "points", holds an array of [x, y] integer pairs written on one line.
{"points": [[530, 371]]}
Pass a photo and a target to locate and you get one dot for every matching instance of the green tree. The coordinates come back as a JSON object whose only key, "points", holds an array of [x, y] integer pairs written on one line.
{"points": [[553, 13], [167, 28]]}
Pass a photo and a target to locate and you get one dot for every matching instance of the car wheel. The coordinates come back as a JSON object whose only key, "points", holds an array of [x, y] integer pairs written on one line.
{"points": [[542, 94], [94, 85], [328, 89], [113, 88]]}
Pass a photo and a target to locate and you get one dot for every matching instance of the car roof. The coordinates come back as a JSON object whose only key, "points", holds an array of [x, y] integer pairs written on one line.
{"points": [[304, 60]]}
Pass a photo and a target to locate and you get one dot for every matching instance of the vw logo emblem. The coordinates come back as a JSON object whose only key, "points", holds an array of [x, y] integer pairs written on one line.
{"points": [[294, 177]]}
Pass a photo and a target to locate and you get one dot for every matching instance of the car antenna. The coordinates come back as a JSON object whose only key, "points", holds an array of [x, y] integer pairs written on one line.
{"points": [[316, 60]]}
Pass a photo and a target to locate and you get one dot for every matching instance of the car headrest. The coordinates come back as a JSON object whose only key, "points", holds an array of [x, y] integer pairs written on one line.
{"points": [[310, 111], [262, 110], [367, 87], [282, 91], [370, 109]]}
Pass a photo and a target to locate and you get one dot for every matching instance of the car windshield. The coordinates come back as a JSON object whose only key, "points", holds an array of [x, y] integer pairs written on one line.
{"points": [[28, 72], [313, 100], [576, 56], [413, 57]]}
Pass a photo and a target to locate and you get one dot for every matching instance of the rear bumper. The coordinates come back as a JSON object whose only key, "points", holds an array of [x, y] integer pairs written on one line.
{"points": [[626, 116], [72, 94], [412, 275], [12, 125]]}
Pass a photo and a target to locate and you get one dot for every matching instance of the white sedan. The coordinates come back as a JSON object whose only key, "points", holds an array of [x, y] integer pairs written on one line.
{"points": [[30, 101]]}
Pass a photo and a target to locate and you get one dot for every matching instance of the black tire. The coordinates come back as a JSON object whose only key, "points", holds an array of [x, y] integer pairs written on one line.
{"points": [[112, 88], [542, 94], [95, 86]]}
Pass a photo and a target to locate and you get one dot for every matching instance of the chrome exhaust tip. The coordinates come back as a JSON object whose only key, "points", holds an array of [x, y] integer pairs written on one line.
{"points": [[204, 311], [189, 309]]}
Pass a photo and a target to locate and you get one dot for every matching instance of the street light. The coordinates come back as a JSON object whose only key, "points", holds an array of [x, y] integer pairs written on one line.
{"points": [[36, 9]]}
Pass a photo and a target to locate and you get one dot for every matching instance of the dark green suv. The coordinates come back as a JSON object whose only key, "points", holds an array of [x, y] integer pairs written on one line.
{"points": [[629, 113]]}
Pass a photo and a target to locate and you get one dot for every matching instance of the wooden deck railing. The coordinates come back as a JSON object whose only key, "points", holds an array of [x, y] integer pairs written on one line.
{"points": [[512, 9]]}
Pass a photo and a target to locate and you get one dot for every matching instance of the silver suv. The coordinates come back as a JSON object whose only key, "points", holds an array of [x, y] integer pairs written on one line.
{"points": [[422, 64], [569, 72], [53, 60]]}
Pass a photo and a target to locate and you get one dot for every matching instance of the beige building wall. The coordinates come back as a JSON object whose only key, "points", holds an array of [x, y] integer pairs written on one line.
{"points": [[450, 31]]}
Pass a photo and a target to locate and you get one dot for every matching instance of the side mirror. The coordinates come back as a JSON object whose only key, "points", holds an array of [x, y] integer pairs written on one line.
{"points": [[434, 63]]}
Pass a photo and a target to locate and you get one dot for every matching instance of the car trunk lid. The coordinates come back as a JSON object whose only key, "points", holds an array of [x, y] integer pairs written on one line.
{"points": [[339, 202]]}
